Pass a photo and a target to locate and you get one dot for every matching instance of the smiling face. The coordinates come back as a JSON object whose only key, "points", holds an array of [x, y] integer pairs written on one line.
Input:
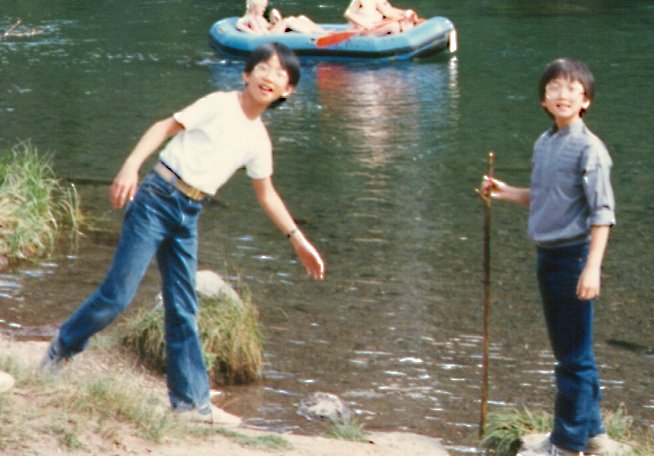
{"points": [[566, 89], [267, 81], [565, 99]]}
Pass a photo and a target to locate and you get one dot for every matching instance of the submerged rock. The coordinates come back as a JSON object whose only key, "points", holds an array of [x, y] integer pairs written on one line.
{"points": [[324, 407]]}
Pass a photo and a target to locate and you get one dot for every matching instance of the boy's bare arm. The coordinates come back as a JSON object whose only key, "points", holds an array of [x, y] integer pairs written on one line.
{"points": [[390, 12], [352, 14], [125, 183], [276, 210], [589, 283]]}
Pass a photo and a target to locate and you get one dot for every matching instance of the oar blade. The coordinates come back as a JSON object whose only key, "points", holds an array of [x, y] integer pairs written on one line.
{"points": [[335, 38]]}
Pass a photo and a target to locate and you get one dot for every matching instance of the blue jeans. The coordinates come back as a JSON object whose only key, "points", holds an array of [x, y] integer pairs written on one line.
{"points": [[569, 321], [162, 221]]}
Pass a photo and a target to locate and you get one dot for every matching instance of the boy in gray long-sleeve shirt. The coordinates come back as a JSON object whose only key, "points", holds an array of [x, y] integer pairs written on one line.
{"points": [[571, 209]]}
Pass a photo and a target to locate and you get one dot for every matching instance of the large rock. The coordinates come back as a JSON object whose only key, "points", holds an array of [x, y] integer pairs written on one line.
{"points": [[7, 382], [324, 407], [210, 284]]}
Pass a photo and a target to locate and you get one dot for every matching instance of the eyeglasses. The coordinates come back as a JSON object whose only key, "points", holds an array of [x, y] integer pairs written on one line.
{"points": [[554, 89], [270, 71]]}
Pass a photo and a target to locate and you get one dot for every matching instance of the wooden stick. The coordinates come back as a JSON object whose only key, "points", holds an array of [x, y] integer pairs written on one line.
{"points": [[487, 286]]}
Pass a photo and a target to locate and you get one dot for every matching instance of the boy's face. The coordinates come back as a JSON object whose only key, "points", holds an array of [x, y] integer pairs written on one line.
{"points": [[565, 99], [268, 81]]}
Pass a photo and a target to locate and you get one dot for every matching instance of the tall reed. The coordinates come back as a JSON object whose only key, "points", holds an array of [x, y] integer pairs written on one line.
{"points": [[34, 204]]}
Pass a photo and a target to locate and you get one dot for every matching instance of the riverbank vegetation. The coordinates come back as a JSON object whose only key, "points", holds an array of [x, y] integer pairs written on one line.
{"points": [[35, 207], [230, 332], [504, 429], [105, 402], [96, 410]]}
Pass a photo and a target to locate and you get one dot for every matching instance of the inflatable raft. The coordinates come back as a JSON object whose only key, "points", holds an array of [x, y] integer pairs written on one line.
{"points": [[432, 36]]}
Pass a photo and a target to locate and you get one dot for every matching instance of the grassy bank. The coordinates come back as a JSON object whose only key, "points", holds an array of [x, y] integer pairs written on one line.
{"points": [[102, 402], [504, 429], [35, 207], [105, 402]]}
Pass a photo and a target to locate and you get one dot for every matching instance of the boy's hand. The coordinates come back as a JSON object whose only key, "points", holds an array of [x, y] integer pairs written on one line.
{"points": [[496, 189], [492, 188], [588, 286], [123, 187], [309, 256]]}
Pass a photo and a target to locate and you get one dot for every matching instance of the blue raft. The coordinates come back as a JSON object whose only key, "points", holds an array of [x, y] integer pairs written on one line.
{"points": [[432, 36]]}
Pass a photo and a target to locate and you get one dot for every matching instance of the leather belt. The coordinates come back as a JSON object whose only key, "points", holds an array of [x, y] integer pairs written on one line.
{"points": [[169, 176]]}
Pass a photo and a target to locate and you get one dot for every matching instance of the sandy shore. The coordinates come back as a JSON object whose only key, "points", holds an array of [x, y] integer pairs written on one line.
{"points": [[28, 354]]}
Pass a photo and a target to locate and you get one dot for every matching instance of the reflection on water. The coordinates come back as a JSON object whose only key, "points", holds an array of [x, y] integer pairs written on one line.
{"points": [[379, 164], [370, 103]]}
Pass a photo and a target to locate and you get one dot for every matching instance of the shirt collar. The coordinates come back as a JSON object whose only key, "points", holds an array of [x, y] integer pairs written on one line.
{"points": [[574, 127]]}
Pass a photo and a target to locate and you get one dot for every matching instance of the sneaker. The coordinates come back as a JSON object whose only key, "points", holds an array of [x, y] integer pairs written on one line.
{"points": [[54, 359], [546, 448], [209, 414], [196, 415], [603, 445], [556, 451]]}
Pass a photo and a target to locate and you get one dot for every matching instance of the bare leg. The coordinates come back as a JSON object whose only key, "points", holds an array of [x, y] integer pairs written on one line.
{"points": [[303, 24]]}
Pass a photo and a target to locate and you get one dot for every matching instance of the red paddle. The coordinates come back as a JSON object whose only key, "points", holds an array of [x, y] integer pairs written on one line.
{"points": [[338, 37]]}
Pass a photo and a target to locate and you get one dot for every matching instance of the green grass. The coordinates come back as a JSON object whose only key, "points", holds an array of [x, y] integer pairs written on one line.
{"points": [[230, 333], [504, 429], [262, 442], [122, 399], [350, 429], [71, 407], [34, 205]]}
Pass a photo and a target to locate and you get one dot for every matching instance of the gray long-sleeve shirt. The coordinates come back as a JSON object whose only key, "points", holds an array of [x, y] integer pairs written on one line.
{"points": [[570, 186]]}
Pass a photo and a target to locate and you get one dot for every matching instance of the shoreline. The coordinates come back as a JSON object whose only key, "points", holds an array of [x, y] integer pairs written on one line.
{"points": [[125, 440]]}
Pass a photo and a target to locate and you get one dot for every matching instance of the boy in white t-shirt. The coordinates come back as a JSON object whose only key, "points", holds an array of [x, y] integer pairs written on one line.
{"points": [[210, 140]]}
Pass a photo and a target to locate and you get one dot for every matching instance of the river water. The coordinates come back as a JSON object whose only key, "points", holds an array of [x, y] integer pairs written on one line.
{"points": [[379, 165]]}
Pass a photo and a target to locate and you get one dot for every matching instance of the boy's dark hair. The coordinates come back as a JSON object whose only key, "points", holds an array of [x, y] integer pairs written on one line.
{"points": [[287, 59], [571, 69]]}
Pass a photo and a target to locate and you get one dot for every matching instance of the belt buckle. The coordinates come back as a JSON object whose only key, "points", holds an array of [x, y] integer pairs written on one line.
{"points": [[194, 193], [190, 191]]}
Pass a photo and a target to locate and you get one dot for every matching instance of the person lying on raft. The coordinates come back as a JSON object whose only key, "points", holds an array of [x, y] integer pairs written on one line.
{"points": [[380, 17], [255, 22]]}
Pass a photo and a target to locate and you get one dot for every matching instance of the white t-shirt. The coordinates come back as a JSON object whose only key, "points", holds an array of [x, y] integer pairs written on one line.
{"points": [[217, 140]]}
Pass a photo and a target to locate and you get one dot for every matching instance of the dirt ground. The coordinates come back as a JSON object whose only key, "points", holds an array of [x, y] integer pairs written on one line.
{"points": [[122, 440]]}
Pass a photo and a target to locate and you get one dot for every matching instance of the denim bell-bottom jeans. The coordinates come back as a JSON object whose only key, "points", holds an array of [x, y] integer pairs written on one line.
{"points": [[569, 321], [159, 221]]}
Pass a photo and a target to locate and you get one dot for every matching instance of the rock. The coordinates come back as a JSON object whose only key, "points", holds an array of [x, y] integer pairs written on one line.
{"points": [[7, 382], [210, 284], [534, 443], [324, 407]]}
